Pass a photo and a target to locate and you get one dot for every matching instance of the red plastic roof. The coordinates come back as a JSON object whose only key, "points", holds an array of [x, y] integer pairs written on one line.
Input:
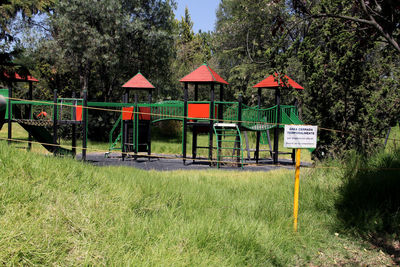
{"points": [[203, 74], [15, 76], [138, 82], [270, 82]]}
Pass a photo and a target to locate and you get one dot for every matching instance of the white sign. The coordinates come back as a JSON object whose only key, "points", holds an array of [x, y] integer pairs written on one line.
{"points": [[300, 136]]}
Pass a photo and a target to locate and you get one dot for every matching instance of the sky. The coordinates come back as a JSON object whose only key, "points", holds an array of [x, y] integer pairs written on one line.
{"points": [[202, 13]]}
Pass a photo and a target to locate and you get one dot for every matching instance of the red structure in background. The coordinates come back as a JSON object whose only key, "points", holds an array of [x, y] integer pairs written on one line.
{"points": [[276, 82], [202, 75], [15, 77], [271, 82], [143, 143], [138, 82]]}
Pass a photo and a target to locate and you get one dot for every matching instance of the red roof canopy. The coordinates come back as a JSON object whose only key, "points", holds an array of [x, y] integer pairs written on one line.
{"points": [[270, 82], [16, 77], [203, 74], [138, 82]]}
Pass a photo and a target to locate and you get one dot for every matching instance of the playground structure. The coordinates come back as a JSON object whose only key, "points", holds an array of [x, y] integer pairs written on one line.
{"points": [[226, 123]]}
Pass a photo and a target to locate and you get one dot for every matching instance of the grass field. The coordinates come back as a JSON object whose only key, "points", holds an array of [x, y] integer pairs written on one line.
{"points": [[57, 211]]}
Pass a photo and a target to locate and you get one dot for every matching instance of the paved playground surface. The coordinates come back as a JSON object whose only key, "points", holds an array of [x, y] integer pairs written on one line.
{"points": [[161, 163]]}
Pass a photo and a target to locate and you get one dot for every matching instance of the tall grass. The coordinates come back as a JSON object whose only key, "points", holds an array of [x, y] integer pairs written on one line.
{"points": [[56, 211], [370, 199]]}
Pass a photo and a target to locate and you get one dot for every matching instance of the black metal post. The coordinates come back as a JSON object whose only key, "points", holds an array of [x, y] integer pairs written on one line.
{"points": [[29, 115], [194, 140], [55, 123], [185, 114], [221, 107], [73, 128], [135, 127], [149, 131], [9, 115], [124, 128], [85, 125], [239, 123], [276, 130], [210, 135], [257, 155]]}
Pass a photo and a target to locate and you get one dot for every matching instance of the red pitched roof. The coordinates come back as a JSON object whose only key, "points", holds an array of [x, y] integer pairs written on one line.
{"points": [[16, 77], [203, 74], [270, 82], [138, 82]]}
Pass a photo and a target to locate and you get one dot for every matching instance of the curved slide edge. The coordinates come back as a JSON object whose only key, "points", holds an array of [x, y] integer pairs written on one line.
{"points": [[3, 109]]}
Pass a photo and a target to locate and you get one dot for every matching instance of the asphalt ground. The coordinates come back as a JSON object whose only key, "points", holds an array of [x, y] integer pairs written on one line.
{"points": [[164, 163]]}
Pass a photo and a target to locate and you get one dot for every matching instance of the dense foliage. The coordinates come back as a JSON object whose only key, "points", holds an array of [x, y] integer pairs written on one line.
{"points": [[350, 74]]}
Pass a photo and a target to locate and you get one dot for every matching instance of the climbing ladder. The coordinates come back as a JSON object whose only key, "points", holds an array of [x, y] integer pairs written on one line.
{"points": [[229, 140]]}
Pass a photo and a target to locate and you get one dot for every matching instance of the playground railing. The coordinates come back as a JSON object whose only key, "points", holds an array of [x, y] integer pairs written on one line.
{"points": [[20, 109], [254, 117], [69, 109], [227, 111], [167, 110]]}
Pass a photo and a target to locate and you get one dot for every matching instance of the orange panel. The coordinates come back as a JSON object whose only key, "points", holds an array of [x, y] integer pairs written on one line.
{"points": [[127, 114], [78, 115], [145, 117], [199, 110]]}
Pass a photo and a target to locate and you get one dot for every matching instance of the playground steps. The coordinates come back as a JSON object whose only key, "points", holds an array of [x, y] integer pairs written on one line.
{"points": [[229, 143], [142, 139]]}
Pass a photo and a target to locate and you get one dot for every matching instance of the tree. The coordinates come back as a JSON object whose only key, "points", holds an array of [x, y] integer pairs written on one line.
{"points": [[350, 87], [252, 41], [349, 75], [106, 42], [191, 49], [8, 13], [380, 16]]}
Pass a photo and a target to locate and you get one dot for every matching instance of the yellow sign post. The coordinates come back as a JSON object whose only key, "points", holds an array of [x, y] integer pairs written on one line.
{"points": [[296, 189], [297, 137]]}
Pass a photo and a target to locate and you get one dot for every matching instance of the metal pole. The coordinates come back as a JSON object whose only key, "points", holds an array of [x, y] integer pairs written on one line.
{"points": [[75, 103], [124, 128], [194, 140], [185, 113], [85, 125], [55, 124], [296, 190], [210, 140], [9, 115], [257, 154], [135, 128], [30, 97], [276, 130], [149, 132], [239, 126]]}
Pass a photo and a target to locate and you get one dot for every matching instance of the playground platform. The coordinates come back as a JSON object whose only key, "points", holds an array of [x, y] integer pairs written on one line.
{"points": [[161, 163]]}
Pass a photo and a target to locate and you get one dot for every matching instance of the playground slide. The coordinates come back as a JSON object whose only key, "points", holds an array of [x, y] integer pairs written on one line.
{"points": [[41, 135], [3, 109], [293, 119]]}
